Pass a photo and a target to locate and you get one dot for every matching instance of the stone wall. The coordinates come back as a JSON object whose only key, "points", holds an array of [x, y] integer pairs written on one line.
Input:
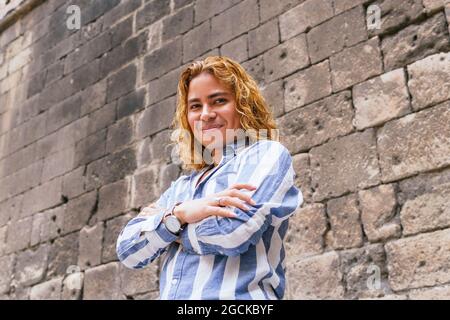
{"points": [[365, 112]]}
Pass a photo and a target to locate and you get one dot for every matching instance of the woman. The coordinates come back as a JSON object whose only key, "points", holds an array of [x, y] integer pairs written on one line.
{"points": [[220, 229]]}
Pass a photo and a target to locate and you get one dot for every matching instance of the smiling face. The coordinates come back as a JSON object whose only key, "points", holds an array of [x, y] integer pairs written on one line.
{"points": [[211, 110]]}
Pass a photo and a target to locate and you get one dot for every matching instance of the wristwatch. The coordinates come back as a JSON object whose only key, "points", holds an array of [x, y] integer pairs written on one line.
{"points": [[172, 223]]}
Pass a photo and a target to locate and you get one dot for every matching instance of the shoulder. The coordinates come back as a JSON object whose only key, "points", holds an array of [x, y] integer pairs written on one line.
{"points": [[268, 148], [264, 152]]}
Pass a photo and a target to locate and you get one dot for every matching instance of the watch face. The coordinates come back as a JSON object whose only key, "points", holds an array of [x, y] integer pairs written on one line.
{"points": [[172, 224]]}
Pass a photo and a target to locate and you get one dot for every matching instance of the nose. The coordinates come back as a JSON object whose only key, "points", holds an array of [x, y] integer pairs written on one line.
{"points": [[207, 113]]}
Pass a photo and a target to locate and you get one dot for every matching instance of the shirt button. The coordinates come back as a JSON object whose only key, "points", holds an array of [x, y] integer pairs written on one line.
{"points": [[174, 281]]}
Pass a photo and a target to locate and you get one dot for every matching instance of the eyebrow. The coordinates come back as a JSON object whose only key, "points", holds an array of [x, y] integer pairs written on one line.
{"points": [[211, 96]]}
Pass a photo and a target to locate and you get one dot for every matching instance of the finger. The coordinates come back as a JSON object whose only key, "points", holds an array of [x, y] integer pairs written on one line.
{"points": [[222, 212], [235, 202], [243, 186], [219, 211], [242, 196]]}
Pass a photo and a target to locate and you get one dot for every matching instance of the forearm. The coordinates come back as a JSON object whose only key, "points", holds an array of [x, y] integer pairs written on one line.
{"points": [[142, 240]]}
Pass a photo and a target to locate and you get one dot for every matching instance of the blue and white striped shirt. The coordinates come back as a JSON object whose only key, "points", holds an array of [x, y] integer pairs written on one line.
{"points": [[222, 258]]}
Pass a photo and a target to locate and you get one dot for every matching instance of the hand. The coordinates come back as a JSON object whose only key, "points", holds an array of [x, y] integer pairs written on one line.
{"points": [[196, 210], [149, 210]]}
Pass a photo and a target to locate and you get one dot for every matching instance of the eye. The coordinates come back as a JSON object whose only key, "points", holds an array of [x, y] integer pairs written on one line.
{"points": [[220, 101], [193, 106]]}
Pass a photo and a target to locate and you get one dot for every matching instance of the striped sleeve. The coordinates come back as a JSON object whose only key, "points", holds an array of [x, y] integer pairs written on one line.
{"points": [[145, 238], [268, 166]]}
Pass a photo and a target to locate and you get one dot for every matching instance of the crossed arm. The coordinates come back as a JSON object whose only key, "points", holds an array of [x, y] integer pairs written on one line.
{"points": [[228, 233]]}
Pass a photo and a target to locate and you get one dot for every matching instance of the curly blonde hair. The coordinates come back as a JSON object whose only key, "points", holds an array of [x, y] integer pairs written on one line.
{"points": [[255, 114]]}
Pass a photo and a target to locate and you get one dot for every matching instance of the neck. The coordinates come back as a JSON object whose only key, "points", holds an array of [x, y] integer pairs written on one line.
{"points": [[217, 156]]}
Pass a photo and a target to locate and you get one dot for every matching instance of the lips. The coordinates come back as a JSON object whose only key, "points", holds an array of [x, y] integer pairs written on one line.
{"points": [[211, 126]]}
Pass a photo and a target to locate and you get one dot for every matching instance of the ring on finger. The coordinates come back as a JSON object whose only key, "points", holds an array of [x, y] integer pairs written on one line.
{"points": [[219, 199]]}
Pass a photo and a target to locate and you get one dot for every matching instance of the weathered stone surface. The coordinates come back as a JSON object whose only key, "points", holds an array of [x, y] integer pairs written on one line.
{"points": [[306, 230], [354, 155], [73, 183], [423, 77], [286, 58], [130, 103], [365, 272], [21, 180], [122, 82], [381, 99], [58, 164], [49, 290], [6, 270], [90, 246], [151, 12], [18, 235], [316, 123], [438, 293], [396, 14], [3, 231], [420, 184], [344, 5], [143, 189], [262, 38], [163, 60], [419, 261], [10, 209], [93, 97], [63, 113], [344, 30], [307, 85], [416, 42], [356, 64], [274, 96], [111, 168], [91, 148], [427, 212], [78, 212], [63, 255], [243, 17], [33, 200], [269, 9], [168, 174], [236, 49], [47, 225], [178, 23], [33, 264], [378, 207], [155, 118], [113, 199], [111, 233], [144, 155], [120, 134], [415, 143], [102, 118], [447, 15], [304, 16], [139, 281], [72, 286], [205, 9], [102, 283], [300, 163], [153, 295], [255, 68], [317, 277], [197, 41], [345, 222]]}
